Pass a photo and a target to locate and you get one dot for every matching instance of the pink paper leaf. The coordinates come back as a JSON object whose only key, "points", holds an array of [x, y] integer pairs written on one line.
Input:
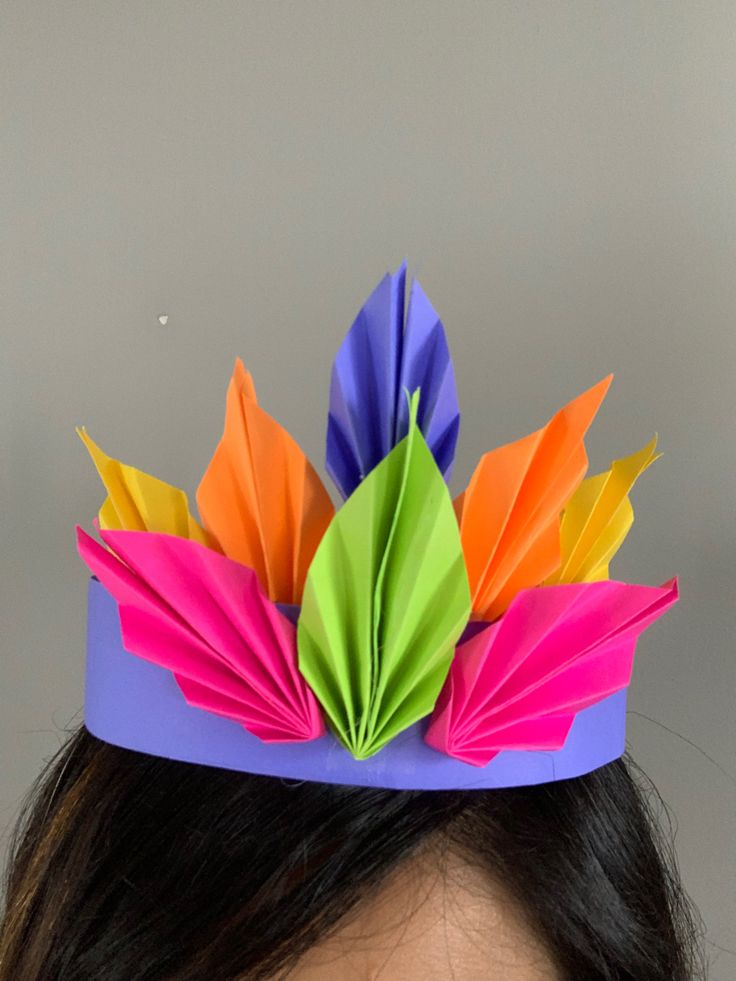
{"points": [[518, 683], [206, 618]]}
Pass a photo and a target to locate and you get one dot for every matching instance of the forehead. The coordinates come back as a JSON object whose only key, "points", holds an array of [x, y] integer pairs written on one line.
{"points": [[435, 918]]}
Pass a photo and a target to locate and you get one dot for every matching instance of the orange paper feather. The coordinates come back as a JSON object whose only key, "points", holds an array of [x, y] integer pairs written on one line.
{"points": [[261, 497], [509, 514]]}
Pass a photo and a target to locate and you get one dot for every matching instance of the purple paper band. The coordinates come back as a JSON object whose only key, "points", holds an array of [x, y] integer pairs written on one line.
{"points": [[136, 704]]}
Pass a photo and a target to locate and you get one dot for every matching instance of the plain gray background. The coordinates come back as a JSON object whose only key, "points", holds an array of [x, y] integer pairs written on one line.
{"points": [[561, 178]]}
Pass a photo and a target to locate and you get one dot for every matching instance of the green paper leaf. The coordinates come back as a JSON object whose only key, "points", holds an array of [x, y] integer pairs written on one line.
{"points": [[385, 599]]}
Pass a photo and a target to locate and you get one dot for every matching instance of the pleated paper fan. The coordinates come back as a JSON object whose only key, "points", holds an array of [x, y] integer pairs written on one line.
{"points": [[206, 618], [386, 599], [518, 683]]}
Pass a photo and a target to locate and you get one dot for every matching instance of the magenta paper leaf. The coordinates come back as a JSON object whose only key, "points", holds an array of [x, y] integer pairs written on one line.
{"points": [[518, 683], [206, 618]]}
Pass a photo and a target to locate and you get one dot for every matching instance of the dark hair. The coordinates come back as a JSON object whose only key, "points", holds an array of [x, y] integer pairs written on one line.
{"points": [[124, 865]]}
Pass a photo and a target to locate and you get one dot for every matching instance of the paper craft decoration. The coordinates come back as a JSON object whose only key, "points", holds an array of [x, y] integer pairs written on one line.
{"points": [[509, 513], [386, 599], [260, 496], [519, 682], [382, 355], [206, 618], [402, 640], [139, 501], [597, 519]]}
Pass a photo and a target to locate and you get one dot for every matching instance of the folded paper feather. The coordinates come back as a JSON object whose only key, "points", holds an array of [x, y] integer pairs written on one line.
{"points": [[137, 501], [386, 599], [518, 683], [597, 519], [206, 618], [509, 514], [261, 497], [379, 358]]}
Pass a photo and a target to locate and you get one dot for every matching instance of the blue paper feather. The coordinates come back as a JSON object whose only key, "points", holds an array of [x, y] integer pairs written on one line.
{"points": [[382, 354]]}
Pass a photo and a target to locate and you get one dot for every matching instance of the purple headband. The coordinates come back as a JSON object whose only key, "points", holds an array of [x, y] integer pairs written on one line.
{"points": [[136, 704]]}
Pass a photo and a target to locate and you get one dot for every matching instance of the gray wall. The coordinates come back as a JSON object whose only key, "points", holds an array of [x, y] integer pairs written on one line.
{"points": [[559, 175]]}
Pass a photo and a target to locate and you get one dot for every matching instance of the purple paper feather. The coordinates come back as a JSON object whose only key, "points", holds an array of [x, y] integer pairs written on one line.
{"points": [[380, 357]]}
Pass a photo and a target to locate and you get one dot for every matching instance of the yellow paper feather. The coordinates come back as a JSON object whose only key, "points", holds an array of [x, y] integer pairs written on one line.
{"points": [[138, 501], [597, 519]]}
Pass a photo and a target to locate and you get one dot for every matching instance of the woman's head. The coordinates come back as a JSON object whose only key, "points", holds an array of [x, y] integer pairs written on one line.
{"points": [[130, 866]]}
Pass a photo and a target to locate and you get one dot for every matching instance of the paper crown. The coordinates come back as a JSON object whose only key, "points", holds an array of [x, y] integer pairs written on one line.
{"points": [[402, 640]]}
